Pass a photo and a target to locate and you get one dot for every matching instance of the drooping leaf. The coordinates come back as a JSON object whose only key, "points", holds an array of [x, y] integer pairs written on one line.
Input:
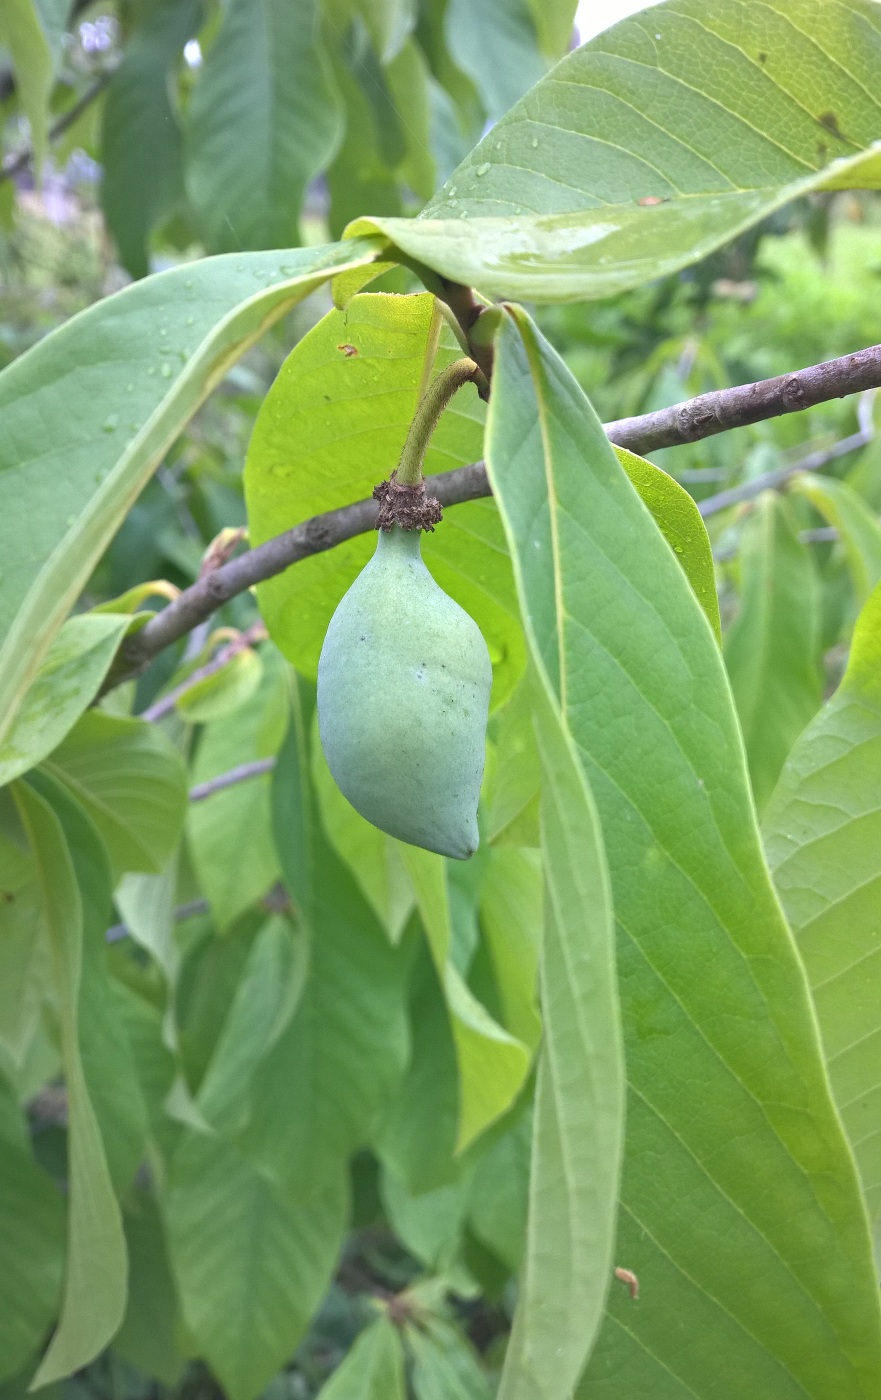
{"points": [[95, 1281], [23, 34], [373, 1369], [294, 820], [318, 1093], [511, 923], [25, 956], [822, 831], [331, 427], [141, 148], [230, 831], [581, 191], [679, 521], [495, 43], [107, 1060], [554, 21], [772, 650], [68, 679], [511, 786], [740, 1209], [148, 1336], [416, 1134], [146, 903], [264, 1002], [89, 411], [130, 779], [31, 1244], [408, 80], [388, 22], [498, 1193], [373, 858], [444, 1365], [428, 1224], [264, 120], [251, 1262], [859, 529], [358, 179], [492, 1063], [578, 1122]]}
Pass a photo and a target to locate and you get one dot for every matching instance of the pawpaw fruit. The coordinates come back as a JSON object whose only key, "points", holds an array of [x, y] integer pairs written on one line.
{"points": [[403, 695]]}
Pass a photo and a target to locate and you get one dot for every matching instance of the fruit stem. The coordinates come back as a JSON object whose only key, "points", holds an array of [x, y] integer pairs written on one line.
{"points": [[427, 416]]}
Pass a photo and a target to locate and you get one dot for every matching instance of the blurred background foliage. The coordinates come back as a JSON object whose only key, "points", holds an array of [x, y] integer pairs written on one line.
{"points": [[130, 146]]}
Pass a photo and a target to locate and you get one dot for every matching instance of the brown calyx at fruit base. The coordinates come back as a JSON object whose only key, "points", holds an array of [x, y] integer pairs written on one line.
{"points": [[409, 507]]}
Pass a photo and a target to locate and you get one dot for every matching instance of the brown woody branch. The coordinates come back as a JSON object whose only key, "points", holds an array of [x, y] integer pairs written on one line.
{"points": [[724, 409], [700, 417]]}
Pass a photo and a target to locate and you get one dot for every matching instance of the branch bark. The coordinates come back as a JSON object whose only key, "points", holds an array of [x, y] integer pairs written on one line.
{"points": [[700, 417], [724, 409]]}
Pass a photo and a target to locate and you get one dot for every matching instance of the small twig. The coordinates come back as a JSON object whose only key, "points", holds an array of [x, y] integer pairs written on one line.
{"points": [[241, 774], [255, 633], [469, 483], [64, 123], [116, 932], [810, 462]]}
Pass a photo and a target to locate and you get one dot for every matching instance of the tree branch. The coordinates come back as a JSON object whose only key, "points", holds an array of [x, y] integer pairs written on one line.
{"points": [[19, 162], [768, 481], [255, 769], [256, 633], [698, 418], [724, 409]]}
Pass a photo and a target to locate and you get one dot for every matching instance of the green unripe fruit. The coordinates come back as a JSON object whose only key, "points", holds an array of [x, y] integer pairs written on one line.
{"points": [[403, 697]]}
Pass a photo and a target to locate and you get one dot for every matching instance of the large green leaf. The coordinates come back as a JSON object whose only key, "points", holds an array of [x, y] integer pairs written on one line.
{"points": [[140, 136], [76, 663], [740, 1208], [373, 1369], [822, 831], [772, 651], [95, 1281], [578, 1127], [492, 1063], [251, 1262], [263, 121], [31, 1244], [654, 143], [331, 427], [230, 831], [88, 412], [130, 779]]}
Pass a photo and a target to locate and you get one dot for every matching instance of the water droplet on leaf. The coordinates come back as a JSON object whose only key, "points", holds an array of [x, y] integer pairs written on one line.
{"points": [[482, 169], [111, 423], [166, 370]]}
